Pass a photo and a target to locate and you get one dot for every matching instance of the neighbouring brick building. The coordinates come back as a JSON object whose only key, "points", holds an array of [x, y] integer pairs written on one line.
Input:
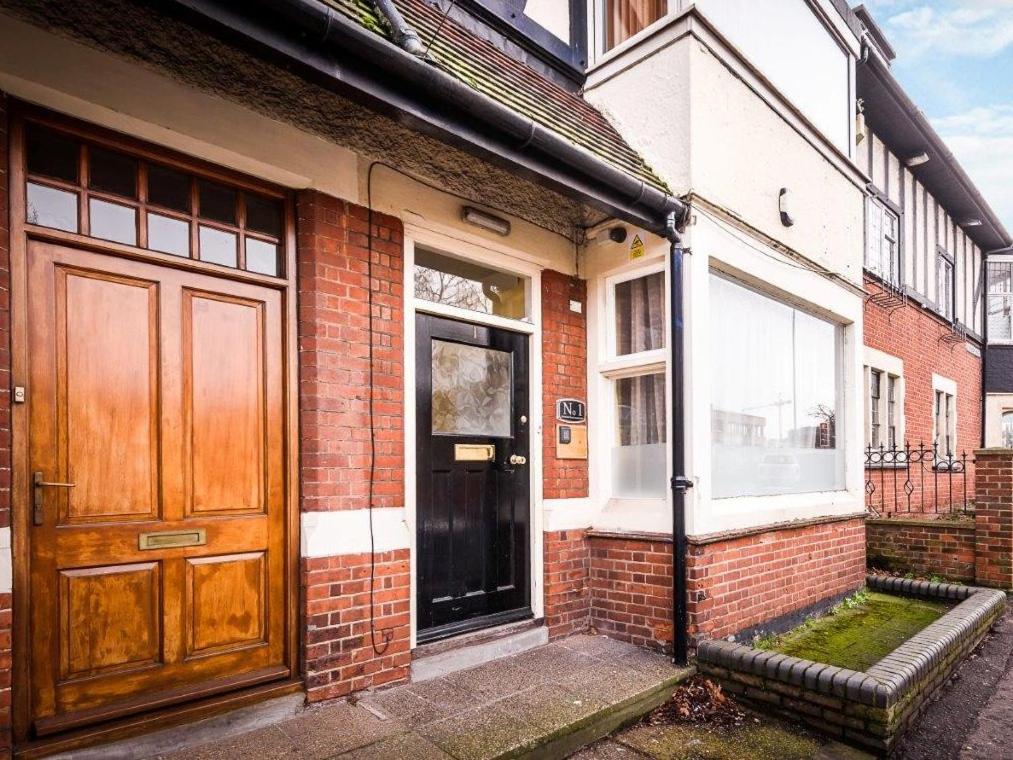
{"points": [[928, 233], [332, 341]]}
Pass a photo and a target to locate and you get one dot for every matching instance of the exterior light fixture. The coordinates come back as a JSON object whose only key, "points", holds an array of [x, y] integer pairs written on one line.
{"points": [[783, 205], [917, 160], [486, 221]]}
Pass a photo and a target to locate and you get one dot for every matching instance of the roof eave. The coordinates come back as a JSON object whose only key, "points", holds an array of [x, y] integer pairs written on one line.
{"points": [[900, 121]]}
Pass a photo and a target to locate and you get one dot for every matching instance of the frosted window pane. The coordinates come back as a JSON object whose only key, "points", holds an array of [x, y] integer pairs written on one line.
{"points": [[168, 235], [639, 462], [471, 390], [774, 386], [217, 246]]}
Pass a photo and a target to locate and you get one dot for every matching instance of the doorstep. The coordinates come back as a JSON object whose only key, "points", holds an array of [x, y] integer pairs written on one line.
{"points": [[547, 703]]}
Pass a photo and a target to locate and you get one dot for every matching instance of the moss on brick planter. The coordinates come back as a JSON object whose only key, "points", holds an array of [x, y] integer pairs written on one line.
{"points": [[858, 635], [870, 707]]}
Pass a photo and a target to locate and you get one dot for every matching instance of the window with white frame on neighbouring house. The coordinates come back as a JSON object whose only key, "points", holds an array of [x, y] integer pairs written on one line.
{"points": [[885, 409], [944, 422], [882, 245], [944, 284], [1000, 300], [775, 395], [1006, 429], [621, 19], [635, 369]]}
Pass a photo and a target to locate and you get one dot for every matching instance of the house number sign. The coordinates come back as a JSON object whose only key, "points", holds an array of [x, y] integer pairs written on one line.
{"points": [[571, 410]]}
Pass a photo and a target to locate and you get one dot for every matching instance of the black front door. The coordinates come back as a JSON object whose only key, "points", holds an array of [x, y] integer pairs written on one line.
{"points": [[473, 485]]}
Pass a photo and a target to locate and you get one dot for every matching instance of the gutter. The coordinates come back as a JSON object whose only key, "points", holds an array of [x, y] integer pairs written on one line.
{"points": [[881, 70], [343, 55]]}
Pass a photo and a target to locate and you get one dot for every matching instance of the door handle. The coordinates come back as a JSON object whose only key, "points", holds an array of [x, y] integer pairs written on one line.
{"points": [[37, 485], [518, 459]]}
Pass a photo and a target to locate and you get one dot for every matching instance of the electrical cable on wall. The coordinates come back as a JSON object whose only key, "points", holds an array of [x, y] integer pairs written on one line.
{"points": [[388, 633]]}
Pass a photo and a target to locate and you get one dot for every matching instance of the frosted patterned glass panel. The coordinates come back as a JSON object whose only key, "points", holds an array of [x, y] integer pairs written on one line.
{"points": [[471, 390], [639, 461]]}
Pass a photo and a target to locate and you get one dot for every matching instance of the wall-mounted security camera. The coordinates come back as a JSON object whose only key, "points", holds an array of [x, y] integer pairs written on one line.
{"points": [[617, 234], [783, 205]]}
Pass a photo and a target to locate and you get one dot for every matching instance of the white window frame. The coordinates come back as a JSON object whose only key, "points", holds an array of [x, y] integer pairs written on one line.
{"points": [[612, 367], [1005, 294], [948, 389], [890, 367], [888, 269]]}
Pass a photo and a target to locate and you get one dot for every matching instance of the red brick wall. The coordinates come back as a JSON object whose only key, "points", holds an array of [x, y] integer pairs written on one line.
{"points": [[339, 655], [923, 547], [913, 334], [631, 589], [994, 518], [334, 359], [564, 375], [745, 581], [6, 599], [567, 588]]}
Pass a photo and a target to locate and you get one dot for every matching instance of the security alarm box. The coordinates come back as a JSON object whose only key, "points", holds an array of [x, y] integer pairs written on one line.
{"points": [[571, 441]]}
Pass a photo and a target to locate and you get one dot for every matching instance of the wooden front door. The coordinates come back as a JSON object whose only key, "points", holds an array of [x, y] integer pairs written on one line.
{"points": [[473, 505], [156, 456]]}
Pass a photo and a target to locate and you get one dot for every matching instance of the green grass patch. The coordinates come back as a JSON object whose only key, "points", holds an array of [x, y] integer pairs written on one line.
{"points": [[858, 632]]}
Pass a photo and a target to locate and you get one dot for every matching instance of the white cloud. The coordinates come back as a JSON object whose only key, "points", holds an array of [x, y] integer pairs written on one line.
{"points": [[982, 140], [974, 28]]}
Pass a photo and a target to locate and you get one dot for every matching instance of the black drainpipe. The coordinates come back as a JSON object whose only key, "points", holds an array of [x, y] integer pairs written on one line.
{"points": [[680, 483]]}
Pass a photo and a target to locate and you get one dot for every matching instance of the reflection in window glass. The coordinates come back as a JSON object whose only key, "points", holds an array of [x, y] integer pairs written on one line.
{"points": [[261, 257], [217, 202], [52, 155], [50, 207], [111, 221], [168, 188], [639, 462], [263, 214], [217, 246], [1007, 430], [624, 18], [112, 172], [454, 282], [774, 391], [640, 314], [168, 235], [471, 390]]}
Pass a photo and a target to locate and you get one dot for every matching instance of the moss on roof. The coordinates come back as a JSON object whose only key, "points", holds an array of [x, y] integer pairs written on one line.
{"points": [[486, 69]]}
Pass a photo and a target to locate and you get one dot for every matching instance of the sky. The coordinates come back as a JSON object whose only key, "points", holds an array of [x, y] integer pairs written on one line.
{"points": [[955, 59]]}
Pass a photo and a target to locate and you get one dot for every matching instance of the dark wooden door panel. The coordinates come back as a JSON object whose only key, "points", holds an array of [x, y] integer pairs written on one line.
{"points": [[473, 514], [158, 394]]}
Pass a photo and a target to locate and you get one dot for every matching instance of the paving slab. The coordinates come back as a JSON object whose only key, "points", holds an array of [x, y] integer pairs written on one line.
{"points": [[547, 703]]}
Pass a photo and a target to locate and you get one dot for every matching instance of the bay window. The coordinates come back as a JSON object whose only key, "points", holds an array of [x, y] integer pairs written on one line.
{"points": [[1006, 427], [635, 367], [775, 396], [1000, 300]]}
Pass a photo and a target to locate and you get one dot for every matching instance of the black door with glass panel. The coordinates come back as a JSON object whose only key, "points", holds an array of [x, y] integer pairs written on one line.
{"points": [[473, 508]]}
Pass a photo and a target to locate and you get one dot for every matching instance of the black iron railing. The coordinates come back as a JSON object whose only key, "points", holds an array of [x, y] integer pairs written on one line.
{"points": [[917, 480]]}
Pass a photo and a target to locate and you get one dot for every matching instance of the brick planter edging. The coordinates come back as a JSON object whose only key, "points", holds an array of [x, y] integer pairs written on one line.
{"points": [[874, 707]]}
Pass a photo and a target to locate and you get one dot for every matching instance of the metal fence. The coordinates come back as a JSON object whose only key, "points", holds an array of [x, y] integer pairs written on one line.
{"points": [[917, 480]]}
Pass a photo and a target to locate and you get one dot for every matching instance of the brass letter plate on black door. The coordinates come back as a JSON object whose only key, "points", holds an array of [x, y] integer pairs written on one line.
{"points": [[172, 539], [474, 452]]}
